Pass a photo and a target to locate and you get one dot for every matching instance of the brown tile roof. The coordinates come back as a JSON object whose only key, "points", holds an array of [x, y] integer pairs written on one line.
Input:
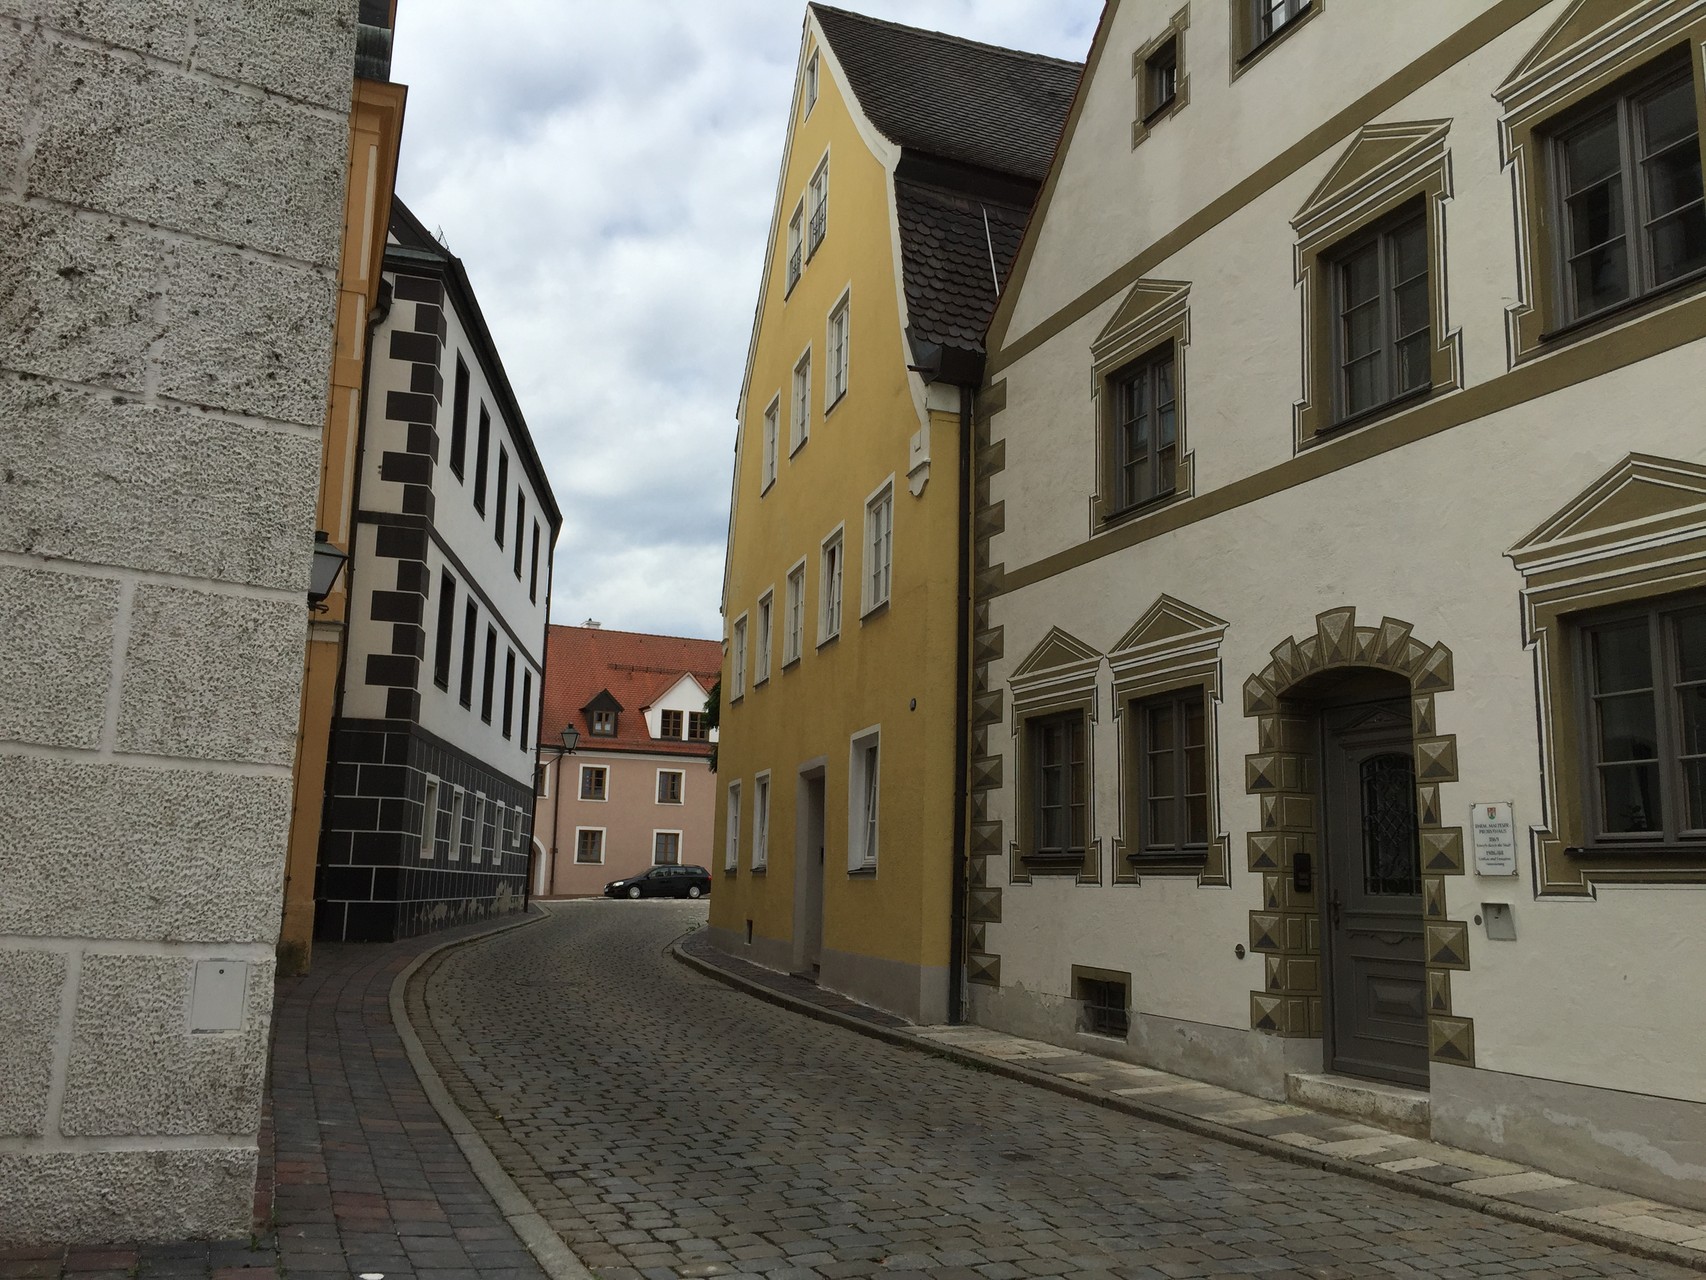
{"points": [[979, 104], [636, 669], [952, 246]]}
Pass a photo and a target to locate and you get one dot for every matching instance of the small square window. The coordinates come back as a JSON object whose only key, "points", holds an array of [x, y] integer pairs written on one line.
{"points": [[589, 845], [594, 782], [698, 727], [669, 786], [1103, 1003], [666, 848], [670, 726], [604, 724]]}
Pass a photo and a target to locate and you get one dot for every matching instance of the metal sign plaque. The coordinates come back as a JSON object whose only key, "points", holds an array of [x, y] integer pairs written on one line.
{"points": [[1492, 828]]}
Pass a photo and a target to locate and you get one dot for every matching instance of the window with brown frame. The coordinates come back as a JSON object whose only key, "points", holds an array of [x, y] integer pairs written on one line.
{"points": [[1171, 776], [698, 727], [1059, 786], [670, 725], [1258, 25], [1146, 429], [1161, 78], [1626, 179], [1643, 691], [669, 786], [1382, 326]]}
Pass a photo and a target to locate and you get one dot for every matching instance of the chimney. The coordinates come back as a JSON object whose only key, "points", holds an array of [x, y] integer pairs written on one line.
{"points": [[592, 624]]}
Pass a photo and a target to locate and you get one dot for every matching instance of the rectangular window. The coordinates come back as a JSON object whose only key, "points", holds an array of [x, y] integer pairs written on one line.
{"points": [[1059, 785], [1645, 726], [811, 84], [818, 197], [520, 529], [1171, 771], [669, 786], [671, 722], [731, 832], [429, 819], [526, 710], [772, 430], [476, 853], [1103, 1002], [589, 844], [503, 495], [1383, 333], [800, 425], [459, 420], [666, 848], [837, 336], [698, 727], [533, 572], [487, 685], [489, 829], [796, 634], [482, 446], [1161, 78], [455, 837], [446, 632], [1273, 16], [829, 606], [761, 821], [796, 247], [879, 548], [509, 691], [1629, 181], [766, 637], [1146, 428], [862, 804], [737, 661], [604, 724], [470, 638], [595, 782]]}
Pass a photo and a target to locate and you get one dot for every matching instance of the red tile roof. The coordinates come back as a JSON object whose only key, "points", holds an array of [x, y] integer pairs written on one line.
{"points": [[637, 669]]}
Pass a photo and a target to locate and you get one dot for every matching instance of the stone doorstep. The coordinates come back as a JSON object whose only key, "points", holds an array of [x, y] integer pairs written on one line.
{"points": [[1387, 1106]]}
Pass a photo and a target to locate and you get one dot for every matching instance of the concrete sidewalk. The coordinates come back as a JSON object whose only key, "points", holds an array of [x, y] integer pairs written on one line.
{"points": [[1501, 1188], [365, 1175]]}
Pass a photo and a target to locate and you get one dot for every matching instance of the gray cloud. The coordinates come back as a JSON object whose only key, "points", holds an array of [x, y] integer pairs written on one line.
{"points": [[606, 172]]}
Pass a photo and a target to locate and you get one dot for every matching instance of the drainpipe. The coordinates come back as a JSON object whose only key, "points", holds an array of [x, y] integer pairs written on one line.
{"points": [[962, 719]]}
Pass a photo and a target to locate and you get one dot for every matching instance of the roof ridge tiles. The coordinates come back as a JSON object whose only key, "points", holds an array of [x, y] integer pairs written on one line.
{"points": [[946, 37]]}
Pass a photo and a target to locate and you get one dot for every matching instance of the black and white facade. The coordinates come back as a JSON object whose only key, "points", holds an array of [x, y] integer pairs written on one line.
{"points": [[429, 808]]}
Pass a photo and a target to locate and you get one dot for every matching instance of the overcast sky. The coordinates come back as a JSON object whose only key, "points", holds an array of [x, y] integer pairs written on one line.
{"points": [[606, 172]]}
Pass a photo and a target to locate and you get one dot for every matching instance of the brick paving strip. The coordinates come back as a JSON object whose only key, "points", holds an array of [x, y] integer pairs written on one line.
{"points": [[366, 1176], [1501, 1188]]}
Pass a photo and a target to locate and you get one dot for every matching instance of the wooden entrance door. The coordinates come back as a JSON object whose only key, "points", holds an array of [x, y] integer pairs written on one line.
{"points": [[1372, 910]]}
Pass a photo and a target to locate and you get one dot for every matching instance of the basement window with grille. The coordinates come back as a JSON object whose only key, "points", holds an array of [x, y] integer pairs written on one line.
{"points": [[1103, 1001]]}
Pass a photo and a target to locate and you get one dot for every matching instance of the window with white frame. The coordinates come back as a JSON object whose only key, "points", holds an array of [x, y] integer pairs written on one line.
{"points": [[666, 848], [772, 430], [835, 375], [796, 634], [669, 786], [429, 819], [818, 198], [829, 607], [879, 547], [481, 826], [800, 424], [731, 833], [455, 834], [766, 628], [862, 798], [796, 247], [589, 844], [737, 660], [595, 782], [811, 84], [760, 821]]}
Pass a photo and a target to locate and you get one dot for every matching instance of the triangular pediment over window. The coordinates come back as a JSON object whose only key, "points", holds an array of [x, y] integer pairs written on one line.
{"points": [[1147, 305], [1641, 499], [1581, 20], [1057, 650], [1168, 621], [1379, 157]]}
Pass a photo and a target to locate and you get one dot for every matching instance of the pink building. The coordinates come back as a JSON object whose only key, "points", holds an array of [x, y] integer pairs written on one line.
{"points": [[637, 791]]}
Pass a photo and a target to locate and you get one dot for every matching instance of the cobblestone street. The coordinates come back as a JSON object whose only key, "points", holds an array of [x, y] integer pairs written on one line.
{"points": [[667, 1126]]}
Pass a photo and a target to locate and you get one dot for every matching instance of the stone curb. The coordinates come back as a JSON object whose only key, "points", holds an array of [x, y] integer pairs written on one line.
{"points": [[556, 1258], [1592, 1233]]}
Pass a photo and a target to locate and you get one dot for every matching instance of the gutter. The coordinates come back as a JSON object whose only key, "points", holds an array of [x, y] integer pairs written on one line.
{"points": [[962, 720]]}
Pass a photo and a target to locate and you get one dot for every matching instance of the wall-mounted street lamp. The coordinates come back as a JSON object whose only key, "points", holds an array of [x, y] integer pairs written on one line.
{"points": [[328, 563], [571, 739]]}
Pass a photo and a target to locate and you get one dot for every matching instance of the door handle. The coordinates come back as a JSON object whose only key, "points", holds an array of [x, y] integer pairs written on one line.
{"points": [[1333, 908]]}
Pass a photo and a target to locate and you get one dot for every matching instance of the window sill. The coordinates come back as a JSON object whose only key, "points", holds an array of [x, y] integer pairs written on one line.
{"points": [[676, 803], [767, 486], [1261, 48], [791, 663], [1389, 409], [1054, 864], [1106, 1035], [1138, 510], [795, 448], [788, 289], [1169, 864], [875, 611], [864, 871], [761, 681], [729, 873], [758, 868], [595, 799], [1676, 851], [828, 640], [1622, 313], [1157, 113], [736, 697], [830, 407]]}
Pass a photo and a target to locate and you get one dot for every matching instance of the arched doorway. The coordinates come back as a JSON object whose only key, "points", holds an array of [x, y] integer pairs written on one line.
{"points": [[1353, 851]]}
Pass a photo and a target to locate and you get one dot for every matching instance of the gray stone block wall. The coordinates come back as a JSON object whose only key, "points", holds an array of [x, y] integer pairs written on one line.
{"points": [[171, 201]]}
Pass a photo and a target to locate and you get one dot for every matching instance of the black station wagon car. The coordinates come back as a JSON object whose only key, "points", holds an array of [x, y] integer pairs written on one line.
{"points": [[662, 882]]}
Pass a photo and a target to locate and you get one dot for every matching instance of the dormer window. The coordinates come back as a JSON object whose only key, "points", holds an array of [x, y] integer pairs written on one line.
{"points": [[697, 728], [604, 724], [671, 726], [601, 715]]}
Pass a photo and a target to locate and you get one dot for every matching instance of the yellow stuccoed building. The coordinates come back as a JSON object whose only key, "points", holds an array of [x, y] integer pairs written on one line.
{"points": [[911, 162]]}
